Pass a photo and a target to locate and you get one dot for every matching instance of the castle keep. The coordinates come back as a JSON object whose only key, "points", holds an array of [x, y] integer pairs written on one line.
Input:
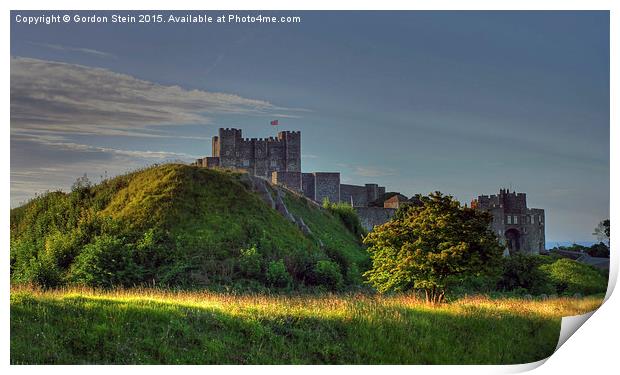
{"points": [[258, 156], [522, 229], [279, 161]]}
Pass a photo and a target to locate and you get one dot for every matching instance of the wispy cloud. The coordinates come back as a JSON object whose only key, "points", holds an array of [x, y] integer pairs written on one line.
{"points": [[55, 106], [68, 98], [88, 51], [370, 171], [50, 162]]}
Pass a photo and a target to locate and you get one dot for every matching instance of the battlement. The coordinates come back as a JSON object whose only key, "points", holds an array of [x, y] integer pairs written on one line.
{"points": [[519, 227], [258, 156], [270, 139]]}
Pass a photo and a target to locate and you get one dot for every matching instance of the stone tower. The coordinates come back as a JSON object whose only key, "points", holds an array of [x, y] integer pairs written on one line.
{"points": [[520, 228], [258, 156]]}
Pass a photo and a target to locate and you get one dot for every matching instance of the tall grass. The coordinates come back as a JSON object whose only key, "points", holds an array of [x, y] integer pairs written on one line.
{"points": [[164, 326]]}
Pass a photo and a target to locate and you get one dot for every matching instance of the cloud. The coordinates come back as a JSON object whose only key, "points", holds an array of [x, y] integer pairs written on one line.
{"points": [[67, 98], [369, 171], [49, 162], [87, 51], [58, 107]]}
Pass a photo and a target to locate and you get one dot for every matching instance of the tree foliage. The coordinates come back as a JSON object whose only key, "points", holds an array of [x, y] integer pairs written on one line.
{"points": [[602, 231], [430, 246], [569, 276], [522, 272]]}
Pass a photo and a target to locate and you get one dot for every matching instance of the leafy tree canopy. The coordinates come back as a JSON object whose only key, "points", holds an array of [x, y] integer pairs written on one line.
{"points": [[602, 231], [431, 245]]}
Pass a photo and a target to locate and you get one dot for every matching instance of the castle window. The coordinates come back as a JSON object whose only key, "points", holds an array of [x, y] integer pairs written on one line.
{"points": [[509, 219], [274, 164], [516, 219], [246, 163]]}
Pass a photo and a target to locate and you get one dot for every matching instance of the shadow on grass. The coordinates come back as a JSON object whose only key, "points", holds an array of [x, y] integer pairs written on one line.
{"points": [[106, 331]]}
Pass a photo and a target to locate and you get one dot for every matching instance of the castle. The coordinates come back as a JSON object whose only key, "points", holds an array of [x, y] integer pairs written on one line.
{"points": [[522, 229], [278, 159]]}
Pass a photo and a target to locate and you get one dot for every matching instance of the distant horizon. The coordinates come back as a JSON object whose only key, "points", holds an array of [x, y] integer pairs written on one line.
{"points": [[461, 102]]}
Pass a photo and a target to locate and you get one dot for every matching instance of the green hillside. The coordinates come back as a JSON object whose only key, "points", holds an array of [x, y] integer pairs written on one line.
{"points": [[178, 225]]}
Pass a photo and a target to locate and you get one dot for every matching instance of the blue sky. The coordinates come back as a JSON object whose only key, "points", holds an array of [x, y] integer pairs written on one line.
{"points": [[461, 102]]}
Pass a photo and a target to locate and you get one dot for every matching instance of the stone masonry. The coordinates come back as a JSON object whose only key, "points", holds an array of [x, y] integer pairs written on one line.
{"points": [[520, 228], [258, 156]]}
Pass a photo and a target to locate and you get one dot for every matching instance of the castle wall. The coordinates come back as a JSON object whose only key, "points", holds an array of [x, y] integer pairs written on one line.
{"points": [[276, 155], [291, 180], [261, 157], [215, 146], [211, 162], [327, 185], [292, 152], [361, 195], [245, 155], [307, 185], [372, 216], [355, 193], [228, 139]]}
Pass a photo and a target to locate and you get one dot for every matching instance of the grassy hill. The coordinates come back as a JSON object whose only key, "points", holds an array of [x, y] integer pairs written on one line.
{"points": [[163, 327], [178, 225]]}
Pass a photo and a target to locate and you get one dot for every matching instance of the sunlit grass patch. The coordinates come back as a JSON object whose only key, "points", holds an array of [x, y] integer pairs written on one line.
{"points": [[164, 326]]}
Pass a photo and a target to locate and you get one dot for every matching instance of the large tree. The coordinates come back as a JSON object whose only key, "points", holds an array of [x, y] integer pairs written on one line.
{"points": [[602, 231], [430, 245]]}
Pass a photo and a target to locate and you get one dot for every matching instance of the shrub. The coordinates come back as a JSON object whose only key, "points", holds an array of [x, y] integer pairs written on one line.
{"points": [[62, 248], [327, 273], [599, 250], [250, 262], [277, 275], [569, 277], [347, 215], [521, 271], [106, 262], [42, 272]]}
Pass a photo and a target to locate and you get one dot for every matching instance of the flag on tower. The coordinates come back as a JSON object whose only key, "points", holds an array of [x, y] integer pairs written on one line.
{"points": [[274, 122]]}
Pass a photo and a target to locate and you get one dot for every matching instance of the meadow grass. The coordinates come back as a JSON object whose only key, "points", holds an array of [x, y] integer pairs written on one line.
{"points": [[152, 326]]}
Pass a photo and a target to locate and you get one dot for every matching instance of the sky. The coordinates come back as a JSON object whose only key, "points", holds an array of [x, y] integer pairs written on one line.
{"points": [[461, 102]]}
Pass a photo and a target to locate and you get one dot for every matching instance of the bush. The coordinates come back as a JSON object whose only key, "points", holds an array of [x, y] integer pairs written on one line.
{"points": [[327, 273], [277, 275], [347, 215], [250, 262], [62, 248], [599, 250], [569, 277], [106, 262], [42, 272], [522, 271]]}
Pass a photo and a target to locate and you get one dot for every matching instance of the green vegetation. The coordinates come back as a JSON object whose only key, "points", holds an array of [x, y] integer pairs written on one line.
{"points": [[431, 246], [158, 327], [568, 276], [175, 225], [347, 215], [341, 245], [182, 228], [522, 273]]}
